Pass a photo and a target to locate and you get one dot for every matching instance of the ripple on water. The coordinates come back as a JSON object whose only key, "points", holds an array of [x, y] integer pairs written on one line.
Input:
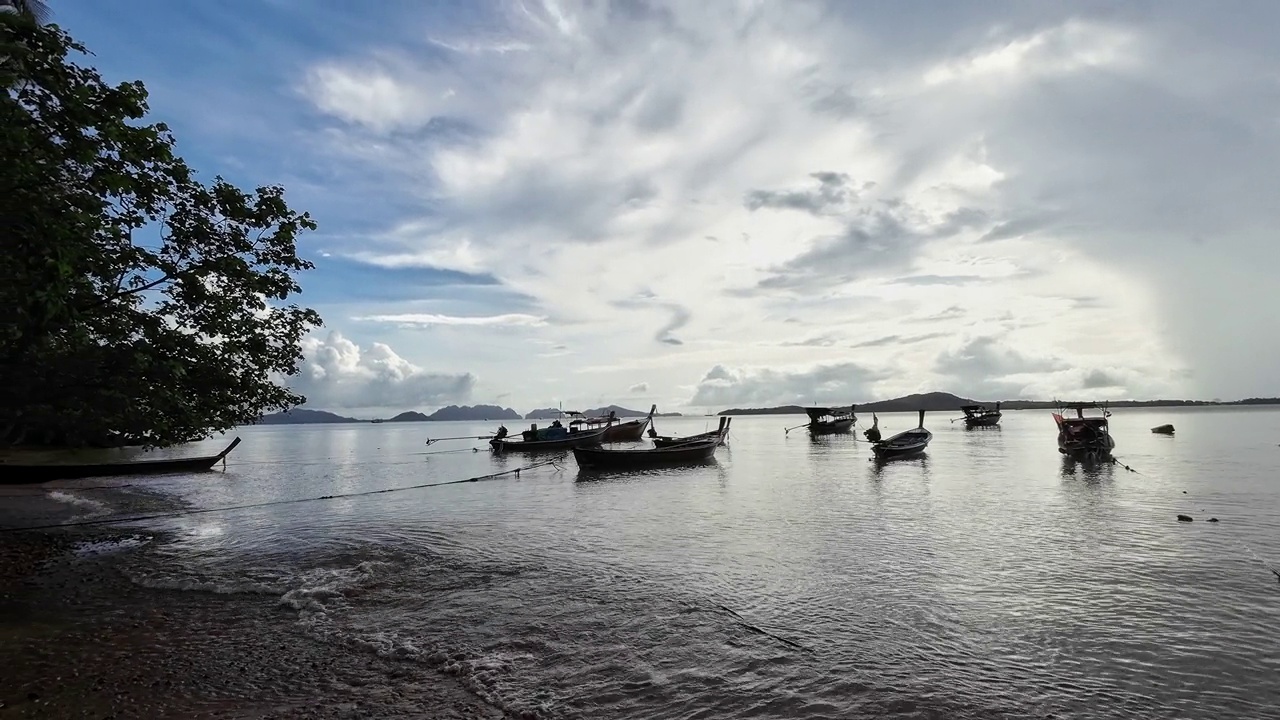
{"points": [[793, 579]]}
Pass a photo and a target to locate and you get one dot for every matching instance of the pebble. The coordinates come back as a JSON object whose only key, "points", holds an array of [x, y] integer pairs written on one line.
{"points": [[1213, 519], [1185, 518]]}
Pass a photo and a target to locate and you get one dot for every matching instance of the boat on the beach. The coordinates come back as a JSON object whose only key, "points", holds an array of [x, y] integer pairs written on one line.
{"points": [[18, 473], [908, 443], [689, 453], [830, 421], [1084, 438], [976, 416], [1163, 429], [719, 435]]}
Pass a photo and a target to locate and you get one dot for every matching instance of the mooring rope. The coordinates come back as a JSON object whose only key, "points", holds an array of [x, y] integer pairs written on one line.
{"points": [[227, 508], [1239, 543]]}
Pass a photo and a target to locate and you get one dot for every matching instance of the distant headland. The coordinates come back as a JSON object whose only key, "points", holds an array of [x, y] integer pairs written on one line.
{"points": [[940, 401], [472, 413]]}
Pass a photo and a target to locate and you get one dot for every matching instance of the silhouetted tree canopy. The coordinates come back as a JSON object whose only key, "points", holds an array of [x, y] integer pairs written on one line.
{"points": [[137, 304]]}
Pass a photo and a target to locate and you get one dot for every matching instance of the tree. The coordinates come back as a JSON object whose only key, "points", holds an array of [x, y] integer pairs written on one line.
{"points": [[34, 9], [134, 299]]}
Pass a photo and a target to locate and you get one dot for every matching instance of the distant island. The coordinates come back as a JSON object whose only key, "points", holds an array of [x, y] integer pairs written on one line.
{"points": [[939, 401], [472, 413], [553, 413], [303, 416]]}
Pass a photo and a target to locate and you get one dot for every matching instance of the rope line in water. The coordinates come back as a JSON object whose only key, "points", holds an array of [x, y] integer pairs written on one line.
{"points": [[226, 508], [1116, 461]]}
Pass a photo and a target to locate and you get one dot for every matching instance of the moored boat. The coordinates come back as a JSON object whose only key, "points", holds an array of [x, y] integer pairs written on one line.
{"points": [[689, 453], [1084, 438], [908, 443], [630, 431], [556, 438], [16, 473], [873, 433], [830, 421], [980, 415], [719, 435]]}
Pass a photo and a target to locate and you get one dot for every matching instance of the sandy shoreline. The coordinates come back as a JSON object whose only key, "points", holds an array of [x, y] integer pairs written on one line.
{"points": [[79, 639]]}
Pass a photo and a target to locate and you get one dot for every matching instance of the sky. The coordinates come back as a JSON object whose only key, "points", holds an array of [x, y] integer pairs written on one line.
{"points": [[536, 203]]}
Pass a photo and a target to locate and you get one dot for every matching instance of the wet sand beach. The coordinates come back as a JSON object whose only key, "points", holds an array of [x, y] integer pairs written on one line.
{"points": [[78, 639]]}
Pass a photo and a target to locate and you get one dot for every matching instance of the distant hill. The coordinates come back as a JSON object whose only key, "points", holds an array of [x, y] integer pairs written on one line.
{"points": [[624, 412], [933, 401], [937, 401], [409, 416], [470, 412], [542, 414], [302, 416]]}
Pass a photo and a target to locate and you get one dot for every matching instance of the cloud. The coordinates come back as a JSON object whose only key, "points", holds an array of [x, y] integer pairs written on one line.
{"points": [[838, 383], [899, 340], [832, 195], [878, 240], [1100, 379], [337, 373], [430, 320], [638, 389], [752, 162]]}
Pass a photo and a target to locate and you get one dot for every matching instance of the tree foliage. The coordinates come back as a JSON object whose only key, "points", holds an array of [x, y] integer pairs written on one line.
{"points": [[133, 297]]}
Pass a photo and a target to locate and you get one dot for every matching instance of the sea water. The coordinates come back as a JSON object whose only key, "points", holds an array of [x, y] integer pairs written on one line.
{"points": [[793, 578]]}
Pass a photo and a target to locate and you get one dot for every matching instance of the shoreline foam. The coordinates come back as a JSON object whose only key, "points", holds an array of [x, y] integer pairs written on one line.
{"points": [[79, 638]]}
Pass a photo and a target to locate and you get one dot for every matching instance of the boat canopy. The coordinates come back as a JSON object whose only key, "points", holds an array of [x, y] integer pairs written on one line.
{"points": [[817, 413]]}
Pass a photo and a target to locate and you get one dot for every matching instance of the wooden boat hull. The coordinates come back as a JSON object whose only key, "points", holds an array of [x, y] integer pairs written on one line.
{"points": [[558, 445], [28, 473], [1096, 450], [903, 445], [831, 427], [719, 435], [977, 421], [598, 458], [908, 443], [630, 431]]}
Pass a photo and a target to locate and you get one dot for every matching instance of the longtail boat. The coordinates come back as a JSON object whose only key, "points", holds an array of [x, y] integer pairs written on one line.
{"points": [[873, 432], [17, 473], [720, 435], [830, 421], [615, 430], [1084, 438], [908, 443], [552, 439], [690, 453], [980, 415]]}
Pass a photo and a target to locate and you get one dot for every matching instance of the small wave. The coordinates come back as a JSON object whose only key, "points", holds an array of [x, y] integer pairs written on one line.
{"points": [[218, 586], [93, 508], [109, 546]]}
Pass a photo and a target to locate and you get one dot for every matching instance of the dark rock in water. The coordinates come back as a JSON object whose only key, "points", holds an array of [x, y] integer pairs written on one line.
{"points": [[1163, 429], [1213, 520], [1185, 518]]}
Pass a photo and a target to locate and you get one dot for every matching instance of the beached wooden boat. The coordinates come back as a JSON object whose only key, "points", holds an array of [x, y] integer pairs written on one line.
{"points": [[548, 440], [1163, 429], [690, 453], [830, 421], [16, 473], [976, 416], [905, 444], [719, 435], [1084, 438]]}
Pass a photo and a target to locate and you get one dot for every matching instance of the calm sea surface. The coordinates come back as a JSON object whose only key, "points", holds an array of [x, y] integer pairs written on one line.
{"points": [[793, 579]]}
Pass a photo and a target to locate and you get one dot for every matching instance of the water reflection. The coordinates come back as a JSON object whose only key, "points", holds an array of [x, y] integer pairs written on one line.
{"points": [[1091, 471]]}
